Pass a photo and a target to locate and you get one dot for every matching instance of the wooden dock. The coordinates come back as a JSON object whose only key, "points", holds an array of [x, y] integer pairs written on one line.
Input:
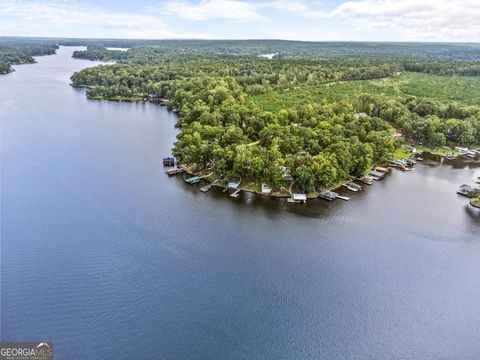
{"points": [[382, 169], [297, 198], [173, 171], [368, 180], [206, 188], [236, 194]]}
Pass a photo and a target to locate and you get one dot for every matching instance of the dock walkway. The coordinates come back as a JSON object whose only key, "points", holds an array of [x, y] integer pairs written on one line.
{"points": [[236, 194]]}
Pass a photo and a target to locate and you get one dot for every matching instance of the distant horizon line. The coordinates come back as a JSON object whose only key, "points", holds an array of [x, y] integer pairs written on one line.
{"points": [[236, 39]]}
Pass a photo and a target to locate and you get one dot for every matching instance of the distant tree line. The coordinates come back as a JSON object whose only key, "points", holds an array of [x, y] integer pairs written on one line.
{"points": [[15, 54], [99, 53], [448, 68]]}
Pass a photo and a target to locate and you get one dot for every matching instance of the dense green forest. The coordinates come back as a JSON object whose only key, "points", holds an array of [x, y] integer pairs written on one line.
{"points": [[100, 53], [12, 53], [314, 114]]}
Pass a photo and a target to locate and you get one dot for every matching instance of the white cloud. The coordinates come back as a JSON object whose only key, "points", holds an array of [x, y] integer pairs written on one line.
{"points": [[213, 10], [442, 20], [73, 18], [402, 20], [304, 9], [236, 10]]}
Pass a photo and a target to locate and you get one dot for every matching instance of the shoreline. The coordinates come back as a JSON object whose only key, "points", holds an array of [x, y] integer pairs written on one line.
{"points": [[285, 193], [475, 202], [279, 194]]}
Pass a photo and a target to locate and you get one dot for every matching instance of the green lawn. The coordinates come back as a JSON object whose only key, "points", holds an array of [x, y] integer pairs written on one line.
{"points": [[444, 88], [436, 151], [463, 89], [401, 153]]}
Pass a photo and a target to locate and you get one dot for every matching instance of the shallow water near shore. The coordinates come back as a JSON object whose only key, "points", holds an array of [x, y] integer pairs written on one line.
{"points": [[109, 258]]}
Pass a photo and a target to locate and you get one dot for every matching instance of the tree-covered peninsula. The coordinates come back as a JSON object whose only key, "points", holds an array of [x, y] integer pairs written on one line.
{"points": [[316, 116], [16, 53]]}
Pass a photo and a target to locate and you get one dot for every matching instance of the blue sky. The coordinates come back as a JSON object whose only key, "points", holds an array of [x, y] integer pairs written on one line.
{"points": [[327, 20]]}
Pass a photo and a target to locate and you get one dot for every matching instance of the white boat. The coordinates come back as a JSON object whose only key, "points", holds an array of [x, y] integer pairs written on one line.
{"points": [[352, 187]]}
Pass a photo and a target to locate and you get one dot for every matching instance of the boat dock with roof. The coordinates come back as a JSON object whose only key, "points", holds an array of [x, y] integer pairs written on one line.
{"points": [[328, 195], [168, 161], [297, 199], [174, 171]]}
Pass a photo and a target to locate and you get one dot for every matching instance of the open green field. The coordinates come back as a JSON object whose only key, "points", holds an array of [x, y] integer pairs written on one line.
{"points": [[425, 86]]}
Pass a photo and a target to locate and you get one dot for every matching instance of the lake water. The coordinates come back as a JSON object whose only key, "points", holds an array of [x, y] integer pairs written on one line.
{"points": [[109, 258]]}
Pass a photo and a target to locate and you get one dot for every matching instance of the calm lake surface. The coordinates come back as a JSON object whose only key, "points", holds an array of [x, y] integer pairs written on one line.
{"points": [[109, 258]]}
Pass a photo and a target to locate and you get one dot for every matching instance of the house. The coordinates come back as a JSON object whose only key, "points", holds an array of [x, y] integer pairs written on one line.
{"points": [[361, 115], [168, 161], [152, 96], [286, 174], [397, 134], [465, 190]]}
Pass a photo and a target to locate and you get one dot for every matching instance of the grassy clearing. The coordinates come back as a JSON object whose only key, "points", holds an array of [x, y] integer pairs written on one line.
{"points": [[442, 151], [401, 153], [463, 89], [275, 101], [425, 86]]}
